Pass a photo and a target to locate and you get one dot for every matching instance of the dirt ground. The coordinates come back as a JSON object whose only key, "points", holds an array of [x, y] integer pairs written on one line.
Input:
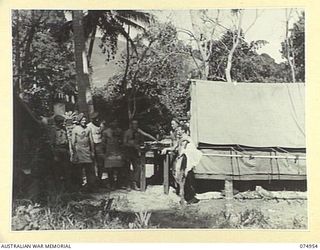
{"points": [[122, 209], [210, 212]]}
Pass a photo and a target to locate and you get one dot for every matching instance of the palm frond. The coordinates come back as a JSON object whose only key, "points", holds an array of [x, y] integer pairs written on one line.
{"points": [[135, 15], [130, 23], [110, 22], [118, 29]]}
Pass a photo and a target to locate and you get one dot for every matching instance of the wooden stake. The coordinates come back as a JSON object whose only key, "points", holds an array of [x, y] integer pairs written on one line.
{"points": [[143, 172], [166, 174], [228, 188]]}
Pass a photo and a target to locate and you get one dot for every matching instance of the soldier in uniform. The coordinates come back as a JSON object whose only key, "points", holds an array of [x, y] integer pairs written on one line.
{"points": [[83, 152], [114, 162], [132, 140], [95, 127], [60, 149]]}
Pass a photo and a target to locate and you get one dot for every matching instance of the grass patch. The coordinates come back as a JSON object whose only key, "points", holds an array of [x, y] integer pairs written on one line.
{"points": [[73, 212]]}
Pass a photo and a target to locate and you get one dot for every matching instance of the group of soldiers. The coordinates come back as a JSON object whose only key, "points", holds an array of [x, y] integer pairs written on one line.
{"points": [[85, 149]]}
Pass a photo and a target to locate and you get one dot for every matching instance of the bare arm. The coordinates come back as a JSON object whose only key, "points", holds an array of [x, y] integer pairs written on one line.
{"points": [[91, 141], [52, 135], [173, 147], [105, 136], [147, 135], [73, 138], [126, 139]]}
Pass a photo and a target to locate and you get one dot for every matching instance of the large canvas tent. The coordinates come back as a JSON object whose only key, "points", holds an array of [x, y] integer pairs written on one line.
{"points": [[249, 131]]}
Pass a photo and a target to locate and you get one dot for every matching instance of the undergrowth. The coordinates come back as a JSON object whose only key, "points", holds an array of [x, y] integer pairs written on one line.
{"points": [[69, 211], [64, 213]]}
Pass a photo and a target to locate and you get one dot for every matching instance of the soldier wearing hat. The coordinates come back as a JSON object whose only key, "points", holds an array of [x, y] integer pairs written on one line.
{"points": [[60, 149], [96, 130], [83, 152]]}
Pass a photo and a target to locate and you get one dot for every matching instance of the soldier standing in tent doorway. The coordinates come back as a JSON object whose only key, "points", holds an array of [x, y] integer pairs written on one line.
{"points": [[99, 148], [132, 140]]}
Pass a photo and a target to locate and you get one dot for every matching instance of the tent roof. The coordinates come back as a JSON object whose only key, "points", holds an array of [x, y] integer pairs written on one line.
{"points": [[248, 114], [23, 115]]}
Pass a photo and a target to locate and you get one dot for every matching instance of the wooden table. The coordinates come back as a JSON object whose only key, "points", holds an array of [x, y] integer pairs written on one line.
{"points": [[166, 169]]}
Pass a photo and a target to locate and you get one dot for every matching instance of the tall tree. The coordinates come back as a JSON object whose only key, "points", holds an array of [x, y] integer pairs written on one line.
{"points": [[293, 47], [43, 67], [26, 27], [111, 24], [157, 73], [247, 65], [235, 41], [205, 27], [85, 103], [237, 34], [288, 46]]}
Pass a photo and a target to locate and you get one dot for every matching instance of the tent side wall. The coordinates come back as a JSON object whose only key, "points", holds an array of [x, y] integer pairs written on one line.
{"points": [[26, 131], [26, 134], [263, 117], [257, 165]]}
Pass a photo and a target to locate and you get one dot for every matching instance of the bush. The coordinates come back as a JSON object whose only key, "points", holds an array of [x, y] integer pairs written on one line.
{"points": [[250, 218], [75, 211]]}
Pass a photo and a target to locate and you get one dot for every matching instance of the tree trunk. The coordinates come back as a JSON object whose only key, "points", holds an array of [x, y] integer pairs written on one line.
{"points": [[205, 73], [234, 46], [124, 79], [202, 47], [17, 60], [85, 103], [288, 48], [291, 61], [27, 49], [132, 103], [229, 64], [92, 39]]}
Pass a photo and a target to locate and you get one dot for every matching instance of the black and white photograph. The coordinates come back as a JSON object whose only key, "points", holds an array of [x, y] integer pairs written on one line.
{"points": [[146, 119]]}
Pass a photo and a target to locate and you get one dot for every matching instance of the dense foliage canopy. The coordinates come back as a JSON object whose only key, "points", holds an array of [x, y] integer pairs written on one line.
{"points": [[152, 81]]}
